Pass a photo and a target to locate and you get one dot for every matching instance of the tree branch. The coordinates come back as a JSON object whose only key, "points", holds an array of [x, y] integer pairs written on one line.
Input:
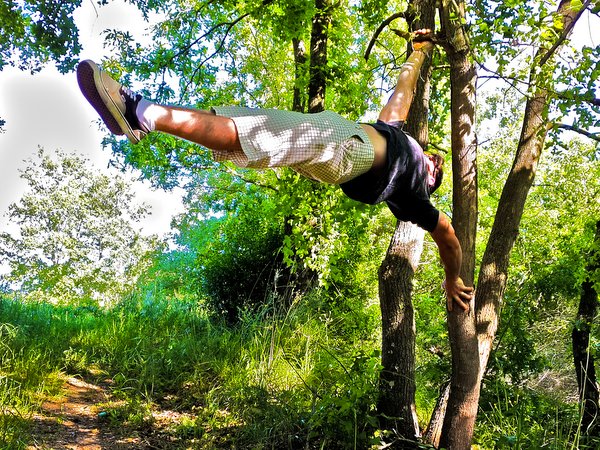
{"points": [[566, 95], [438, 147], [566, 31], [513, 81], [588, 134], [235, 173], [378, 31], [229, 26]]}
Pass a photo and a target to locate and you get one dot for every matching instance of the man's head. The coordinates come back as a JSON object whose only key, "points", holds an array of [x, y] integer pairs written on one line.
{"points": [[435, 163]]}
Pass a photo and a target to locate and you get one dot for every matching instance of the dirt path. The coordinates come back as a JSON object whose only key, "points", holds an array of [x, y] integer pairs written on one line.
{"points": [[74, 422], [78, 420]]}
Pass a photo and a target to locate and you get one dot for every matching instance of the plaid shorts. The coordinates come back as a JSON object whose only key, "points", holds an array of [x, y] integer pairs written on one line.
{"points": [[323, 146]]}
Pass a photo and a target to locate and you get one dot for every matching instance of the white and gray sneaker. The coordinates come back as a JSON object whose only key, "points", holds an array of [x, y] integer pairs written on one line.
{"points": [[114, 103]]}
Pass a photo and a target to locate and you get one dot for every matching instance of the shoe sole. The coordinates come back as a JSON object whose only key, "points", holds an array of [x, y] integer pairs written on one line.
{"points": [[93, 89]]}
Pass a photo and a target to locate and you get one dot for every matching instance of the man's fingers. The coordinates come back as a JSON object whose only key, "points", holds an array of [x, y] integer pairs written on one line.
{"points": [[458, 293], [467, 295], [464, 304]]}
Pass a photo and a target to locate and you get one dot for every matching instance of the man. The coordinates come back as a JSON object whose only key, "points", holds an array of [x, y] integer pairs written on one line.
{"points": [[371, 162]]}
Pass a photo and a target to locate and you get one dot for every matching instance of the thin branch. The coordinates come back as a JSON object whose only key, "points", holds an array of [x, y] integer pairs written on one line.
{"points": [[438, 147], [378, 31], [512, 81], [565, 95], [235, 173], [229, 25], [567, 30], [588, 134], [219, 47]]}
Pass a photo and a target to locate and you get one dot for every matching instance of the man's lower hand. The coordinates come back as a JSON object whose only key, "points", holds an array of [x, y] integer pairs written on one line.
{"points": [[456, 291]]}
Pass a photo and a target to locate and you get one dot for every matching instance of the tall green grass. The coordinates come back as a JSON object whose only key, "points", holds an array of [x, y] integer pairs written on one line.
{"points": [[303, 377], [298, 377], [28, 370], [515, 417]]}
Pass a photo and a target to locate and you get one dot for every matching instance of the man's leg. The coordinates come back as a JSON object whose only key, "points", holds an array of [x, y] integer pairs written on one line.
{"points": [[396, 110], [199, 126], [125, 112]]}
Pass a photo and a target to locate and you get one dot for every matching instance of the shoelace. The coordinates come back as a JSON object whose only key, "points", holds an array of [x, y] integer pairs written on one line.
{"points": [[128, 94]]}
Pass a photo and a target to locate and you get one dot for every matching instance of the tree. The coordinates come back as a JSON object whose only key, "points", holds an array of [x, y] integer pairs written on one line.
{"points": [[584, 360], [481, 327], [260, 47], [397, 390], [76, 241], [33, 33]]}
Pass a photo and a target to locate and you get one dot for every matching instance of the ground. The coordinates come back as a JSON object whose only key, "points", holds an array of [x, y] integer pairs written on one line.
{"points": [[80, 419]]}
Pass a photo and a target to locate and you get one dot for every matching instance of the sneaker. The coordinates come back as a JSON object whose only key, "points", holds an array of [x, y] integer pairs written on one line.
{"points": [[114, 103]]}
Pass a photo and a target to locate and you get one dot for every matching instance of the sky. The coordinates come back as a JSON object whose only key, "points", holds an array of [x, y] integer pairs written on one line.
{"points": [[48, 110]]}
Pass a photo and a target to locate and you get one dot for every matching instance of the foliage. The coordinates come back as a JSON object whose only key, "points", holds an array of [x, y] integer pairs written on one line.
{"points": [[305, 376], [275, 379], [75, 239], [236, 257], [195, 47], [523, 418], [32, 33], [547, 262], [506, 34]]}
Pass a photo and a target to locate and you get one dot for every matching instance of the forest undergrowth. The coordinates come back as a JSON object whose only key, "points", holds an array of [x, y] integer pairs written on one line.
{"points": [[301, 377]]}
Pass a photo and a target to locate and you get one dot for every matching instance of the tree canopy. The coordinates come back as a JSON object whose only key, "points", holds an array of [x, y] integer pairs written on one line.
{"points": [[75, 240]]}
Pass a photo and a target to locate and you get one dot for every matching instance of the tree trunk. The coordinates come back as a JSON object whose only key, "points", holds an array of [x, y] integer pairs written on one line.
{"points": [[318, 56], [462, 407], [299, 102], [397, 387], [433, 433], [463, 398], [464, 386], [585, 369], [416, 125], [397, 380], [468, 366]]}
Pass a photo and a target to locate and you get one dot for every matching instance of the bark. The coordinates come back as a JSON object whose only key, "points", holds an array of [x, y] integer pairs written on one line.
{"points": [[318, 56], [458, 429], [416, 125], [464, 392], [397, 380], [459, 421], [433, 433], [299, 101], [464, 386], [585, 369], [397, 387]]}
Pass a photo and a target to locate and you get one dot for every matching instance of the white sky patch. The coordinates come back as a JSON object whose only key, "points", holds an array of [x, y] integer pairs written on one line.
{"points": [[48, 110]]}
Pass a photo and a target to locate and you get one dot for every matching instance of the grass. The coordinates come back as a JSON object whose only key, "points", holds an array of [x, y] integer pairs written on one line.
{"points": [[271, 381], [27, 376], [520, 418], [304, 378]]}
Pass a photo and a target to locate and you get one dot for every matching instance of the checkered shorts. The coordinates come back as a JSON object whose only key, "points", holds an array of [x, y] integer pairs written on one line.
{"points": [[323, 146]]}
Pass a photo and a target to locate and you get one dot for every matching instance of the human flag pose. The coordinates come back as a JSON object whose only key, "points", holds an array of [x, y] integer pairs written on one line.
{"points": [[372, 163]]}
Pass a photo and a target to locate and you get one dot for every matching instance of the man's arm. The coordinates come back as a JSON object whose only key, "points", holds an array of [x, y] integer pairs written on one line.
{"points": [[451, 255]]}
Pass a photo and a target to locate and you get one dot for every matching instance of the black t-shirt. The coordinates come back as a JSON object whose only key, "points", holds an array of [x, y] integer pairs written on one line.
{"points": [[403, 185]]}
